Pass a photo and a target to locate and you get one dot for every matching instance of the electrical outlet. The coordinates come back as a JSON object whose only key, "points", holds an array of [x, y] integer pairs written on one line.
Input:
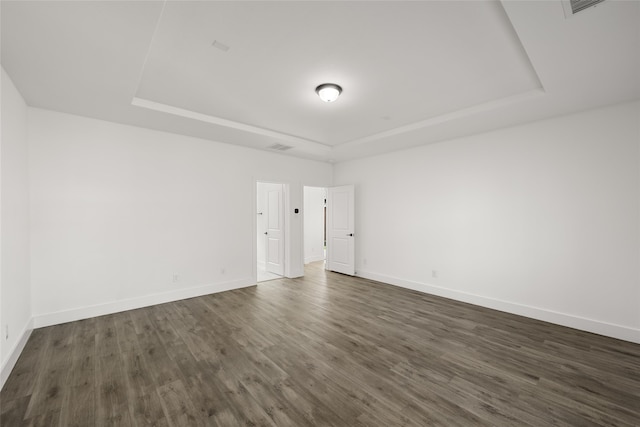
{"points": [[175, 278], [434, 274]]}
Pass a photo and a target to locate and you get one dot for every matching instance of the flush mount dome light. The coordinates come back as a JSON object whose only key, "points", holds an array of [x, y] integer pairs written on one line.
{"points": [[328, 92]]}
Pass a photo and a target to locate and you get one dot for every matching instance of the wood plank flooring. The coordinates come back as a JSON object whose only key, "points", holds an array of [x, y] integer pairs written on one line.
{"points": [[326, 350]]}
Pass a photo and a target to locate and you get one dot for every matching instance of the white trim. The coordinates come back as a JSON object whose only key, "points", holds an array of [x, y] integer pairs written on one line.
{"points": [[15, 353], [286, 232], [314, 258], [74, 314], [254, 230], [455, 115], [603, 328], [297, 141]]}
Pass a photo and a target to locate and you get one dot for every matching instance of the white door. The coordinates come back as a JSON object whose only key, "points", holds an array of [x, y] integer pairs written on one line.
{"points": [[340, 226], [275, 229]]}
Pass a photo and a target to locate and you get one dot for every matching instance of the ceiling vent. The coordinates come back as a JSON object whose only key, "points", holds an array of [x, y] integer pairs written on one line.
{"points": [[571, 7], [279, 147]]}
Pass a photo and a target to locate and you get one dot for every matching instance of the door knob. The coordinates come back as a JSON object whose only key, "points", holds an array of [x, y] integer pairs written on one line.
{"points": [[350, 234], [266, 232]]}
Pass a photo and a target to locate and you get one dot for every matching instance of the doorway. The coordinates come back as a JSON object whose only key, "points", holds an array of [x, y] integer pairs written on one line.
{"points": [[315, 214], [270, 231]]}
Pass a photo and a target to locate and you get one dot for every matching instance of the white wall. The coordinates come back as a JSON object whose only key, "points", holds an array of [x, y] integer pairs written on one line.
{"points": [[540, 219], [118, 210], [15, 295], [314, 224]]}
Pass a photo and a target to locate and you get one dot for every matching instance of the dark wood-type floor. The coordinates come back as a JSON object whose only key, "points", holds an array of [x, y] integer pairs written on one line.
{"points": [[323, 350]]}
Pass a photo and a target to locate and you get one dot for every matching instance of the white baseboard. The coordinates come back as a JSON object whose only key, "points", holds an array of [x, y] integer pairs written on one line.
{"points": [[72, 315], [15, 352], [602, 328], [314, 258]]}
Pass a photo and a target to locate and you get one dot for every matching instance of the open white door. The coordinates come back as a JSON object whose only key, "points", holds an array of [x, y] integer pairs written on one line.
{"points": [[275, 229], [340, 226]]}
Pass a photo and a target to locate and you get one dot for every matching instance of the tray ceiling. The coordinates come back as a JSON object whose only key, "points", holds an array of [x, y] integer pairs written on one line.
{"points": [[244, 73]]}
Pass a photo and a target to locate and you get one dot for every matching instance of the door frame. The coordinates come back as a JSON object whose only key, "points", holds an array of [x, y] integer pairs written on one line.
{"points": [[277, 232], [325, 188], [286, 231]]}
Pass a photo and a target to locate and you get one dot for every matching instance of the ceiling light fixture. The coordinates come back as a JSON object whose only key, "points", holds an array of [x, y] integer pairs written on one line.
{"points": [[328, 92]]}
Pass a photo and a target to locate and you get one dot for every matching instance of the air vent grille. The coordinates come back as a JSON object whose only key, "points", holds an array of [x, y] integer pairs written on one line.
{"points": [[580, 5], [279, 147]]}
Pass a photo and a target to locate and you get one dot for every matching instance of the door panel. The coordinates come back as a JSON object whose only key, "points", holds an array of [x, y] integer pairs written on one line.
{"points": [[273, 209], [340, 228], [341, 205], [275, 229], [340, 250], [273, 251]]}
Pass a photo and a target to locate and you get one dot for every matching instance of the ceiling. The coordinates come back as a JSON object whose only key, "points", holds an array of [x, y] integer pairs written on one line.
{"points": [[244, 72]]}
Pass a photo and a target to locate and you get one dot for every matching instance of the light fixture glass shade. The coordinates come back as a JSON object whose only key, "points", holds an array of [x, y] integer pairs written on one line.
{"points": [[328, 92]]}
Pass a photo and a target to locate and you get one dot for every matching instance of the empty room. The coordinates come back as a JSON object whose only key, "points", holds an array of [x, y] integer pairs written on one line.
{"points": [[320, 213]]}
